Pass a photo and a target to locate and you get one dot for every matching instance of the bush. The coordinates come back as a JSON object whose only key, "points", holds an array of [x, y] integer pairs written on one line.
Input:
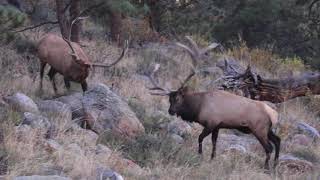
{"points": [[10, 18]]}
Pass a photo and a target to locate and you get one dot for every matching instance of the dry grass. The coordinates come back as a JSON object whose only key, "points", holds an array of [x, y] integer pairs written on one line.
{"points": [[163, 160], [267, 63]]}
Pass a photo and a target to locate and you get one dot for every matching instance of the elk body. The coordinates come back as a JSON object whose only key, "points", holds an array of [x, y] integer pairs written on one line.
{"points": [[220, 109], [66, 58]]}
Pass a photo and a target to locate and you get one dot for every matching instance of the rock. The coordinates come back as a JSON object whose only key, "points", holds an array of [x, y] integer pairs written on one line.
{"points": [[48, 169], [128, 166], [176, 138], [236, 148], [75, 149], [21, 103], [288, 164], [309, 130], [75, 103], [107, 174], [52, 145], [179, 127], [102, 149], [59, 113], [301, 139], [37, 177], [241, 144], [106, 110], [36, 121], [87, 137]]}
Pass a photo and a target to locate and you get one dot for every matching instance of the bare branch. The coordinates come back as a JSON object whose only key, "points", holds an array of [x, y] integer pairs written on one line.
{"points": [[35, 26], [87, 10]]}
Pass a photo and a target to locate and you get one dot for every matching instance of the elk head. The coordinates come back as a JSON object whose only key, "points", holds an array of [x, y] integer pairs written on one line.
{"points": [[86, 64], [176, 97]]}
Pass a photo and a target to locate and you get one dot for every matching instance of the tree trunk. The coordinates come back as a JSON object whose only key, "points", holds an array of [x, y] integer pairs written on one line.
{"points": [[273, 90], [280, 90], [63, 21], [74, 13], [116, 25], [155, 15]]}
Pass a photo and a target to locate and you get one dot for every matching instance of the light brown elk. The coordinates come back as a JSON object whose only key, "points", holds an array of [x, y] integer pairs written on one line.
{"points": [[74, 66], [220, 109]]}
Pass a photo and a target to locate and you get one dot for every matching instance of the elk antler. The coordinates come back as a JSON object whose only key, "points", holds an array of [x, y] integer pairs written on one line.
{"points": [[73, 54], [188, 78], [164, 91], [68, 41], [124, 51], [195, 52]]}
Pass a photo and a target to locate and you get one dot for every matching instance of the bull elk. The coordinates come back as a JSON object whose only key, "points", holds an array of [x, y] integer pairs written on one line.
{"points": [[220, 109], [74, 66]]}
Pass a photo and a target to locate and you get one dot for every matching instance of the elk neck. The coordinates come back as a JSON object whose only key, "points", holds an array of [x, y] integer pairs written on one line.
{"points": [[191, 107]]}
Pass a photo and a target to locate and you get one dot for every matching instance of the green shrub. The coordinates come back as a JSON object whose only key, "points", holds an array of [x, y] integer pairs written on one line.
{"points": [[10, 18]]}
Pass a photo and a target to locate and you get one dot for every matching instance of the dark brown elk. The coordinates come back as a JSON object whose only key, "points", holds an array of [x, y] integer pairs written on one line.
{"points": [[220, 109], [68, 59]]}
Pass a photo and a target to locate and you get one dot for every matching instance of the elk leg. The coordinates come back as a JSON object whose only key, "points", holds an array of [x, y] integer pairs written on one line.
{"points": [[42, 66], [205, 132], [67, 83], [276, 141], [264, 141], [84, 86], [214, 141], [51, 74]]}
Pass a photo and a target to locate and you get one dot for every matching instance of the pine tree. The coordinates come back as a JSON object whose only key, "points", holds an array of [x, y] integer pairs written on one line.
{"points": [[10, 18]]}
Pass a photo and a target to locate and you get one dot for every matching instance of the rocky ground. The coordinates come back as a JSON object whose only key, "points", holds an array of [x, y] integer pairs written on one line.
{"points": [[117, 130]]}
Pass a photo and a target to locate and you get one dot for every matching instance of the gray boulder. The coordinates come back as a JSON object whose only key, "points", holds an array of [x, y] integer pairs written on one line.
{"points": [[21, 103], [37, 177], [301, 139], [75, 103], [177, 139], [102, 149], [104, 110], [179, 127], [59, 114], [107, 174], [36, 121], [308, 130], [52, 146], [236, 148], [39, 123]]}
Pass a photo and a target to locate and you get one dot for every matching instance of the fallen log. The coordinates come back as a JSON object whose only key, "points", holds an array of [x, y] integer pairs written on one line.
{"points": [[274, 90]]}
